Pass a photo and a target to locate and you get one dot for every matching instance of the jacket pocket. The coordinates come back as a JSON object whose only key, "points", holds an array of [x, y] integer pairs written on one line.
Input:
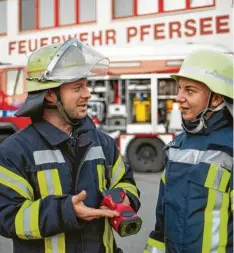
{"points": [[211, 176], [50, 179]]}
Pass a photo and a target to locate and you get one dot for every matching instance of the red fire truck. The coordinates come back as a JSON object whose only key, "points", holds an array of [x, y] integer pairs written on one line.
{"points": [[12, 84]]}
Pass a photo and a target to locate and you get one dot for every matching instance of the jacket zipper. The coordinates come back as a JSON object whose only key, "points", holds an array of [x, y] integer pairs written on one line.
{"points": [[81, 244]]}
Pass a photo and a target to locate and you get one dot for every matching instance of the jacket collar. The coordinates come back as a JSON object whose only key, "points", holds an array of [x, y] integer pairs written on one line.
{"points": [[55, 136], [218, 120]]}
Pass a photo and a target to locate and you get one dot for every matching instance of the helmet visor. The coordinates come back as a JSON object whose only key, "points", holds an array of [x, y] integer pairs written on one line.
{"points": [[75, 60]]}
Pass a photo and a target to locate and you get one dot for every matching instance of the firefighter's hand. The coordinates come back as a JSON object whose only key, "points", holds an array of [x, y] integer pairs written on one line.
{"points": [[86, 213]]}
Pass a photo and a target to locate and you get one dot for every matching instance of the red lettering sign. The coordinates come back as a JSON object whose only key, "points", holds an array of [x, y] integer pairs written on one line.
{"points": [[159, 31], [133, 34], [206, 26], [222, 24], [175, 28], [190, 28]]}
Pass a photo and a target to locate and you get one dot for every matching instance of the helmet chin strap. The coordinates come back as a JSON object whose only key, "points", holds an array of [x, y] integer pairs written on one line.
{"points": [[199, 122], [59, 106]]}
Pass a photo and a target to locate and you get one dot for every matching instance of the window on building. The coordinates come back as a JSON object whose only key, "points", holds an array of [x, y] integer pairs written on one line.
{"points": [[87, 10], [172, 5], [27, 14], [147, 6], [46, 13], [123, 8], [67, 12], [128, 8], [3, 17], [37, 14], [201, 3], [15, 82]]}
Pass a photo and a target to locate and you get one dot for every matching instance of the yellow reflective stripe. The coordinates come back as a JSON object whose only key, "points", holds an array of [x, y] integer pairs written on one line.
{"points": [[223, 232], [56, 182], [42, 183], [128, 187], [27, 220], [108, 238], [207, 233], [101, 177], [232, 200], [118, 171], [211, 175], [163, 176], [50, 184], [48, 246], [156, 244], [55, 244], [61, 243], [224, 181], [34, 219], [19, 221], [117, 163], [16, 182]]}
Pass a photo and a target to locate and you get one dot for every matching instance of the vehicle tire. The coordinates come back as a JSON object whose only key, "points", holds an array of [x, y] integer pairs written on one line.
{"points": [[146, 155]]}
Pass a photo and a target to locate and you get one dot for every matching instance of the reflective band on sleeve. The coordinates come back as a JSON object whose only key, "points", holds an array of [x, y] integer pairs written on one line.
{"points": [[232, 200], [193, 156], [164, 176], [154, 246], [50, 184], [128, 187], [95, 153], [16, 183], [118, 171], [27, 220], [108, 238]]}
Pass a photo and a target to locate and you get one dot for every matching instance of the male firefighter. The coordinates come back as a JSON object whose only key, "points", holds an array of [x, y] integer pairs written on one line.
{"points": [[194, 212], [53, 172]]}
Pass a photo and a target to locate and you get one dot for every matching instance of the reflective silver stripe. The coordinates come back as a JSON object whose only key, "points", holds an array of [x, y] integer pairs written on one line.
{"points": [[118, 170], [48, 156], [49, 182], [216, 222], [95, 153], [193, 156], [218, 178], [198, 70], [153, 249], [54, 244], [23, 189], [27, 219]]}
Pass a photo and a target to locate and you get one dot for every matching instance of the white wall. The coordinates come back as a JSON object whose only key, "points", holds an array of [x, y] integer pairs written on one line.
{"points": [[141, 30]]}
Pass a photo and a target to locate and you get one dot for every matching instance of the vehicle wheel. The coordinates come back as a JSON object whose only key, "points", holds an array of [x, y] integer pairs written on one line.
{"points": [[146, 154]]}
